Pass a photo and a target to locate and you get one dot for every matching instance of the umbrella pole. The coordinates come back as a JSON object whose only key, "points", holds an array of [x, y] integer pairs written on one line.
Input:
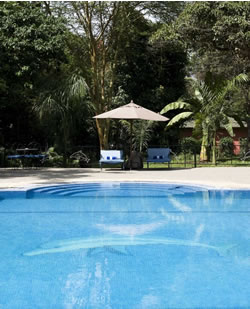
{"points": [[131, 133]]}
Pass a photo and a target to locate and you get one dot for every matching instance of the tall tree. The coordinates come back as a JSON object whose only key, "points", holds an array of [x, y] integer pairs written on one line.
{"points": [[31, 44], [218, 33], [107, 30], [101, 25], [223, 26]]}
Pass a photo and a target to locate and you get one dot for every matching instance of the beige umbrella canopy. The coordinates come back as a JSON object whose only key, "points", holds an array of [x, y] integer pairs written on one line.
{"points": [[132, 112]]}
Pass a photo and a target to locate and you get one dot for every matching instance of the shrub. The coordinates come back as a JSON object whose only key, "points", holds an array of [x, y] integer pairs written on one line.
{"points": [[226, 146], [243, 146], [190, 144], [2, 156]]}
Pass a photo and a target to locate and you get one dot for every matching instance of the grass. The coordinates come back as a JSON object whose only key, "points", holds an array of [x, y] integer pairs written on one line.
{"points": [[190, 164]]}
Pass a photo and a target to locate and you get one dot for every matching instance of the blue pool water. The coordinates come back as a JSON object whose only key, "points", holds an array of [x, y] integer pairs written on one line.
{"points": [[124, 246]]}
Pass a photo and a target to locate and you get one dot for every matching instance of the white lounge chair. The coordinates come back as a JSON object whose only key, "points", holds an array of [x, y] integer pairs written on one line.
{"points": [[111, 157]]}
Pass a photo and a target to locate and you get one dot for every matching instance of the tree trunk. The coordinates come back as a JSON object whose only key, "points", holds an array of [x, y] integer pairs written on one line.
{"points": [[203, 153], [204, 144], [101, 27], [247, 106], [65, 141], [248, 122], [103, 132], [214, 148], [248, 134]]}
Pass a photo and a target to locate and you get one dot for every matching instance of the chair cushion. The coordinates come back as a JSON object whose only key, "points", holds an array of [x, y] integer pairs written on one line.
{"points": [[111, 156], [158, 155]]}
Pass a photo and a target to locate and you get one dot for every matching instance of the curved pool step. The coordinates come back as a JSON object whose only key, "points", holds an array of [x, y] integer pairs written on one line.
{"points": [[112, 189]]}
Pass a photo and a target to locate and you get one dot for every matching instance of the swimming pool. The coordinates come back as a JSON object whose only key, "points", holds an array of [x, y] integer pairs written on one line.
{"points": [[124, 246]]}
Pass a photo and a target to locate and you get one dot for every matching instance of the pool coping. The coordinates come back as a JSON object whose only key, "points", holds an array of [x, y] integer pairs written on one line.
{"points": [[196, 185], [216, 178]]}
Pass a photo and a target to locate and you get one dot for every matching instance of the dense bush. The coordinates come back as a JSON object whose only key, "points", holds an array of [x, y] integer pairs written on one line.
{"points": [[190, 144], [2, 154], [226, 147], [243, 146]]}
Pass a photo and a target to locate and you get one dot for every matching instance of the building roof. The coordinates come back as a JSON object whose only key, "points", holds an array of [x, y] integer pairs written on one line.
{"points": [[190, 124]]}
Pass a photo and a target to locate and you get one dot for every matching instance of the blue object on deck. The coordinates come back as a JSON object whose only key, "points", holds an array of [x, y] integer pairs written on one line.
{"points": [[158, 155], [35, 156], [111, 157], [28, 158], [15, 156]]}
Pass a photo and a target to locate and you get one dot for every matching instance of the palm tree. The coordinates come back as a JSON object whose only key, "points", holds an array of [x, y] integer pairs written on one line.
{"points": [[208, 103], [142, 132], [63, 105]]}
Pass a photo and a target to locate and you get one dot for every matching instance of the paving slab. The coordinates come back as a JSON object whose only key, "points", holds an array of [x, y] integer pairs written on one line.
{"points": [[216, 177]]}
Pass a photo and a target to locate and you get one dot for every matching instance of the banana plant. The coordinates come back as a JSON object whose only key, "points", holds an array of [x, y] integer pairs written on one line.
{"points": [[207, 102]]}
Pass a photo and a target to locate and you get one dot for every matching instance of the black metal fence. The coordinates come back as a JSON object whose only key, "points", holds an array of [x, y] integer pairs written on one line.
{"points": [[231, 154], [183, 155]]}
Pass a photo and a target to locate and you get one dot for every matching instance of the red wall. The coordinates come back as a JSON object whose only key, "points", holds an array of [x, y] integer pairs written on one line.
{"points": [[238, 134]]}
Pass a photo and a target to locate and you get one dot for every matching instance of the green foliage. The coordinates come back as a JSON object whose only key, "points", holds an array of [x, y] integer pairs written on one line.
{"points": [[2, 155], [31, 47], [125, 55], [63, 106], [226, 147], [243, 146], [217, 25], [54, 162], [176, 105], [163, 11], [142, 132], [180, 117], [111, 45], [156, 82], [190, 144], [218, 33], [37, 53], [30, 39], [150, 67], [208, 105]]}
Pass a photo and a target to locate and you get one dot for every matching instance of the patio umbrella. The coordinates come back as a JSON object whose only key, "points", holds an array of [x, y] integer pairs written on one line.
{"points": [[132, 112]]}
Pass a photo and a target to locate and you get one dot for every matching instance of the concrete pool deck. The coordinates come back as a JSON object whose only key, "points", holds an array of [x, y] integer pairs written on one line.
{"points": [[217, 177]]}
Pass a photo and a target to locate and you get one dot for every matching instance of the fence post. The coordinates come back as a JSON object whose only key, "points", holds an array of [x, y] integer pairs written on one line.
{"points": [[215, 155], [195, 163]]}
